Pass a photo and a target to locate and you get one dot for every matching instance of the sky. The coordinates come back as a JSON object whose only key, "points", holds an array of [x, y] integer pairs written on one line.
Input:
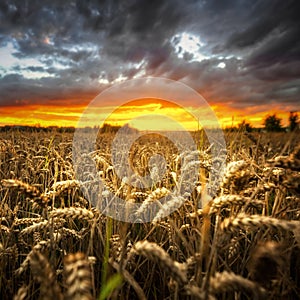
{"points": [[242, 56]]}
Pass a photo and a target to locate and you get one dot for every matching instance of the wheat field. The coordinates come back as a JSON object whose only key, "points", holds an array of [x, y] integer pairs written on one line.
{"points": [[244, 243]]}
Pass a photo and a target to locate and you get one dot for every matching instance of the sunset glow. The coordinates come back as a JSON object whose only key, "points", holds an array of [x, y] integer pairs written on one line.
{"points": [[143, 114]]}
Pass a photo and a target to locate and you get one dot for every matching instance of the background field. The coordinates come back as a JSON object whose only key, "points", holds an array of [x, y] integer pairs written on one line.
{"points": [[244, 244]]}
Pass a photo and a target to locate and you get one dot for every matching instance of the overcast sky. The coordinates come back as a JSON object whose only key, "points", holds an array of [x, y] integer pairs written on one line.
{"points": [[235, 53]]}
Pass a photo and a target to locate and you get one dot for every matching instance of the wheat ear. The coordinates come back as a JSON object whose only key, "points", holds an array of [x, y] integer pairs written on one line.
{"points": [[254, 221], [155, 253], [78, 277], [73, 212], [44, 274], [228, 281], [21, 293]]}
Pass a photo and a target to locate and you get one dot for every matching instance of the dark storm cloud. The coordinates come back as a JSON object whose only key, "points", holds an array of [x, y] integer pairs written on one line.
{"points": [[19, 91], [273, 35], [81, 44], [267, 16]]}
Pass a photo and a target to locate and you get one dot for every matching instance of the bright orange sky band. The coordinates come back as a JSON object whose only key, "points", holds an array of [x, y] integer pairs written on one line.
{"points": [[69, 115]]}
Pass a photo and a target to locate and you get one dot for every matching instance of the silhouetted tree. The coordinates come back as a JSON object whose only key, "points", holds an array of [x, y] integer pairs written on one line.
{"points": [[293, 120], [273, 123]]}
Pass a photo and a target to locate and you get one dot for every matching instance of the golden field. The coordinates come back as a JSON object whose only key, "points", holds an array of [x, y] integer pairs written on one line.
{"points": [[242, 244]]}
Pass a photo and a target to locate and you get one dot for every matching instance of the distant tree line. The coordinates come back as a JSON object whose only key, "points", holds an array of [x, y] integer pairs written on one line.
{"points": [[105, 128], [272, 123], [25, 128]]}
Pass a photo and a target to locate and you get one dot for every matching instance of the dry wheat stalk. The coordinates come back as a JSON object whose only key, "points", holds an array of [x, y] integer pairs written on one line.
{"points": [[138, 196], [21, 186], [43, 159], [4, 228], [39, 226], [37, 237], [65, 184], [191, 264], [101, 162], [24, 265], [233, 248], [260, 188]]}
